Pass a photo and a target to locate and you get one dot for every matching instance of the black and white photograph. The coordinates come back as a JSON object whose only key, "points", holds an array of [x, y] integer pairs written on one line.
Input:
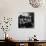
{"points": [[26, 20]]}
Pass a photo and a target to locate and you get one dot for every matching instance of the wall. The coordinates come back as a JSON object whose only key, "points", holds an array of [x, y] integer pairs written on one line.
{"points": [[12, 8]]}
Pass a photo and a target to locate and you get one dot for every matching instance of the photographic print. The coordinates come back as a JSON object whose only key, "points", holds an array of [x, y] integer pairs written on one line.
{"points": [[26, 20]]}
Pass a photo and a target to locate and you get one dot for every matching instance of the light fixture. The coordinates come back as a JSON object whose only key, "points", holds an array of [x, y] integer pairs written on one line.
{"points": [[36, 3]]}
